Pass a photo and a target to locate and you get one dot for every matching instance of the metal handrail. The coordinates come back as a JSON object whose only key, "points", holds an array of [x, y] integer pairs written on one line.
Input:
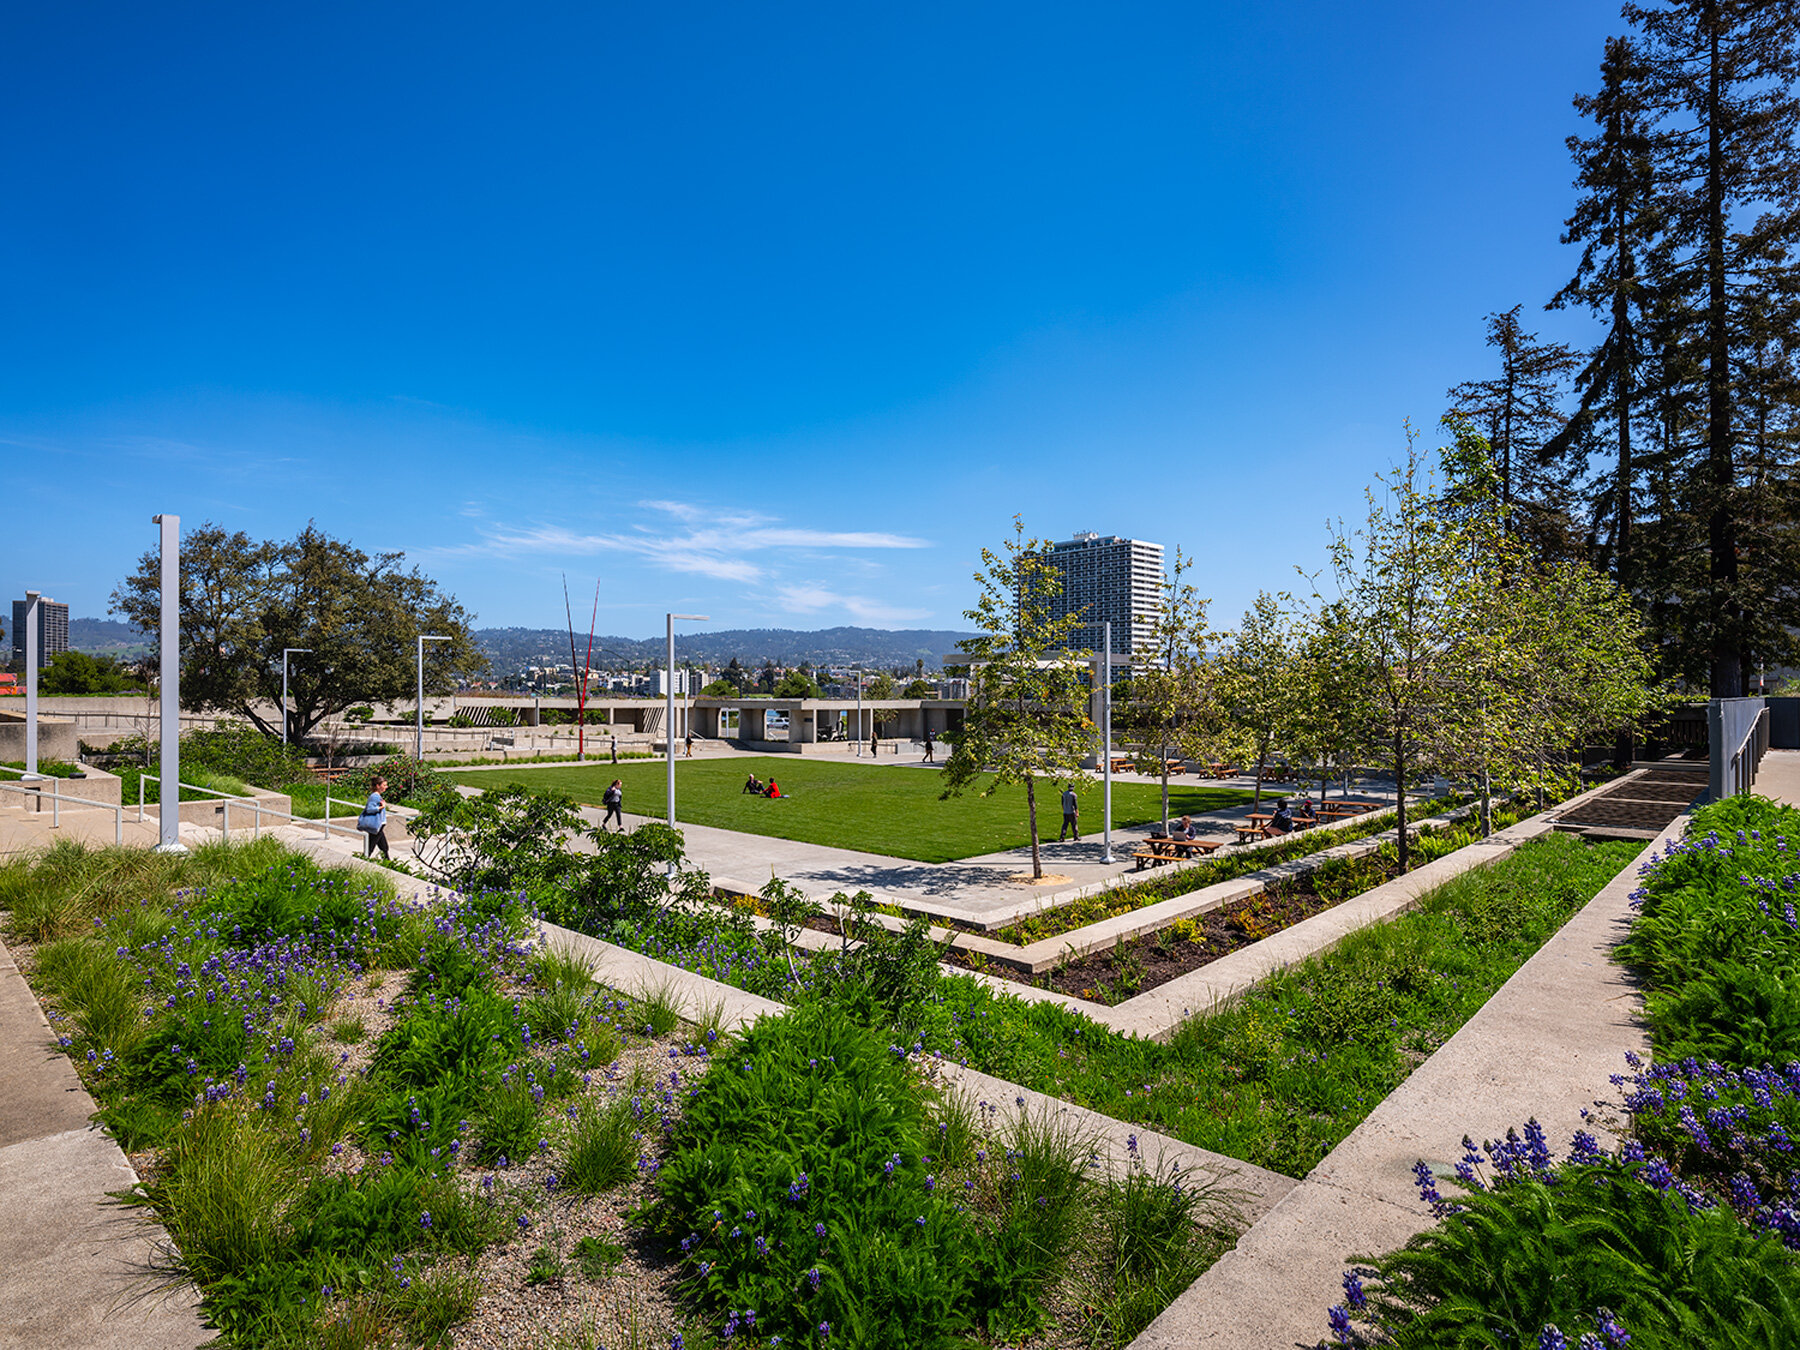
{"points": [[58, 798], [258, 809]]}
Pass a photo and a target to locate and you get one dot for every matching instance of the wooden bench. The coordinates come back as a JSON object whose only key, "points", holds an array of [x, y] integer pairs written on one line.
{"points": [[1160, 850], [329, 773], [1122, 765]]}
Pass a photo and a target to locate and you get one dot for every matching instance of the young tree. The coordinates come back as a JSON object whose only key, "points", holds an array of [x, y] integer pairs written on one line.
{"points": [[1332, 678], [1169, 692], [796, 684], [1026, 717], [881, 687], [1256, 677], [242, 602], [1392, 577]]}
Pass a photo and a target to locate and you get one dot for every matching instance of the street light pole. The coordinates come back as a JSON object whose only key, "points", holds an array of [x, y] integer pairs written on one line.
{"points": [[169, 688], [1106, 733], [31, 682], [669, 695], [285, 653], [858, 672], [419, 713]]}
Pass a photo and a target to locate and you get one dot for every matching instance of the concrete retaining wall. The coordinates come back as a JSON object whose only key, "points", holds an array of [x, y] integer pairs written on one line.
{"points": [[56, 738]]}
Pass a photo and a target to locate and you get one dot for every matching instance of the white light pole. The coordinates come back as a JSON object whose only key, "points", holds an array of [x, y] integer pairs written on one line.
{"points": [[669, 694], [285, 653], [1106, 735], [31, 681], [419, 727], [858, 672], [169, 680]]}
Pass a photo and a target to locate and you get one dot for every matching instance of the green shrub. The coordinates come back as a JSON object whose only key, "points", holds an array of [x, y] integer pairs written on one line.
{"points": [[798, 1187], [1607, 1246], [1716, 939]]}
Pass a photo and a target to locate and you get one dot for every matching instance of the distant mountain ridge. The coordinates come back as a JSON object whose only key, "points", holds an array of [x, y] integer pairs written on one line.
{"points": [[512, 649], [109, 637]]}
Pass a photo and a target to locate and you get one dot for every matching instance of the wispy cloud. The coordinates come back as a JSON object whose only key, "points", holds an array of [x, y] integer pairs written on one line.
{"points": [[811, 599], [726, 546]]}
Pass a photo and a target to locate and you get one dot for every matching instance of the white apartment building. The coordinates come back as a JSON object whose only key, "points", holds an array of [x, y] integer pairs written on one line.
{"points": [[1106, 577]]}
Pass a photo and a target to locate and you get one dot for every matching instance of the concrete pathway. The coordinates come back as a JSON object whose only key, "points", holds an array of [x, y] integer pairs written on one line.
{"points": [[73, 1265], [1542, 1047], [982, 891], [1779, 776]]}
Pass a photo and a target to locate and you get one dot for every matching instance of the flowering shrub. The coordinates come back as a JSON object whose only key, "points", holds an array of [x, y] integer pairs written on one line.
{"points": [[1717, 938], [1597, 1251]]}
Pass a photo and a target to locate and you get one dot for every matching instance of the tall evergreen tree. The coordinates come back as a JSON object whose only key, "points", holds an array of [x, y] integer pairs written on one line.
{"points": [[1616, 223], [1520, 411], [1720, 73]]}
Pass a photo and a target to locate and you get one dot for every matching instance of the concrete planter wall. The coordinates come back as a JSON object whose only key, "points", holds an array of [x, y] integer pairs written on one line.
{"points": [[56, 738]]}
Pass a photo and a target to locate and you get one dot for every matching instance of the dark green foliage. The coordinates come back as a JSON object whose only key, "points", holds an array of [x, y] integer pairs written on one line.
{"points": [[240, 750], [1558, 1248], [1716, 940], [73, 672], [598, 1258], [799, 1187]]}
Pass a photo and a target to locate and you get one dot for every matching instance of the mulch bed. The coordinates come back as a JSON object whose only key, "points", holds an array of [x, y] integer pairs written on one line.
{"points": [[1144, 963]]}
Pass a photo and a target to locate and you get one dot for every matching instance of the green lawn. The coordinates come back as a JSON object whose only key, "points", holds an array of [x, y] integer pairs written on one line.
{"points": [[891, 811]]}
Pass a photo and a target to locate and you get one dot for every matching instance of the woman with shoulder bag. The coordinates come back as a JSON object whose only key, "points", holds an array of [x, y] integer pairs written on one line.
{"points": [[373, 820]]}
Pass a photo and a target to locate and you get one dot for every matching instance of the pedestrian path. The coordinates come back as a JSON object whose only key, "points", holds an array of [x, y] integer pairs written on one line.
{"points": [[1779, 776], [73, 1266], [1542, 1047]]}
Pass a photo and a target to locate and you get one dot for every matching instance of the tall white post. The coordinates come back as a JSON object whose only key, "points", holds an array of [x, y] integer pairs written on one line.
{"points": [[1106, 733], [169, 785], [32, 612], [669, 722], [857, 670]]}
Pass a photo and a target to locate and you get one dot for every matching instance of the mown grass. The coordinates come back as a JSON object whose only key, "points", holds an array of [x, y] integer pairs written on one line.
{"points": [[893, 811]]}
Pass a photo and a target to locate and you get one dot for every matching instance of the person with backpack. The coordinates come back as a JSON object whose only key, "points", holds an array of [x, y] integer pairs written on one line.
{"points": [[1071, 805], [373, 820], [613, 799]]}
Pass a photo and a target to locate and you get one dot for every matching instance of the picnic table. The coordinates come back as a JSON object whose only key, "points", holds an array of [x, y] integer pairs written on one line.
{"points": [[1342, 807], [1160, 848]]}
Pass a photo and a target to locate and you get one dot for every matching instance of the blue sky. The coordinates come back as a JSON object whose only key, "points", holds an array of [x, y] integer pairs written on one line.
{"points": [[776, 313]]}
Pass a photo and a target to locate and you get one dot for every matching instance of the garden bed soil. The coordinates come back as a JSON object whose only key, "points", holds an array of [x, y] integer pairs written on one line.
{"points": [[1144, 963]]}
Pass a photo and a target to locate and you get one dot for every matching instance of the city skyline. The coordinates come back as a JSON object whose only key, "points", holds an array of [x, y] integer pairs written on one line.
{"points": [[613, 298]]}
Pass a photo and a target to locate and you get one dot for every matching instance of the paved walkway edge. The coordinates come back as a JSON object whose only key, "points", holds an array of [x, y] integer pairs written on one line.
{"points": [[1542, 1046], [74, 1266]]}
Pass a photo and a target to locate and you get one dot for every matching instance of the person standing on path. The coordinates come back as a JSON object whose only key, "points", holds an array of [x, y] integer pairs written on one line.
{"points": [[615, 749], [1071, 815], [874, 744], [373, 820], [928, 748], [613, 799], [690, 745]]}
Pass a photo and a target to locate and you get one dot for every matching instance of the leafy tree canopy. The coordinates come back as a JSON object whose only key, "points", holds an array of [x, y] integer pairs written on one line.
{"points": [[242, 602]]}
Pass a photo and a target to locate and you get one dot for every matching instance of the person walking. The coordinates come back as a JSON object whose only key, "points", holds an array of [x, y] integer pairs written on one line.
{"points": [[615, 749], [1071, 805], [928, 748], [613, 799], [874, 744], [373, 820], [690, 745]]}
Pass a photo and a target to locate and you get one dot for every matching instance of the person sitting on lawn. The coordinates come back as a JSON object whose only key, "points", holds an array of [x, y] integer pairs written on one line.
{"points": [[753, 784], [774, 788], [1282, 822]]}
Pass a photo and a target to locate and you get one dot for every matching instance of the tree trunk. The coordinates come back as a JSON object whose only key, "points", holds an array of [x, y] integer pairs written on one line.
{"points": [[1165, 787], [1624, 345], [1727, 668], [1262, 758], [1037, 866], [1487, 809], [1400, 795]]}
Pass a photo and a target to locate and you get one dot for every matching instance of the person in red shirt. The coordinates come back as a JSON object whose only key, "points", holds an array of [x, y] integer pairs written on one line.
{"points": [[774, 788]]}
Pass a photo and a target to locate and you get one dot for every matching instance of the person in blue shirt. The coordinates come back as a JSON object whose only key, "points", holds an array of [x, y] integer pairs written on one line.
{"points": [[373, 820]]}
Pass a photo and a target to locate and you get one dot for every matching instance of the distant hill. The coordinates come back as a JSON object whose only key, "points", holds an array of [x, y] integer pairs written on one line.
{"points": [[513, 649], [108, 637]]}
